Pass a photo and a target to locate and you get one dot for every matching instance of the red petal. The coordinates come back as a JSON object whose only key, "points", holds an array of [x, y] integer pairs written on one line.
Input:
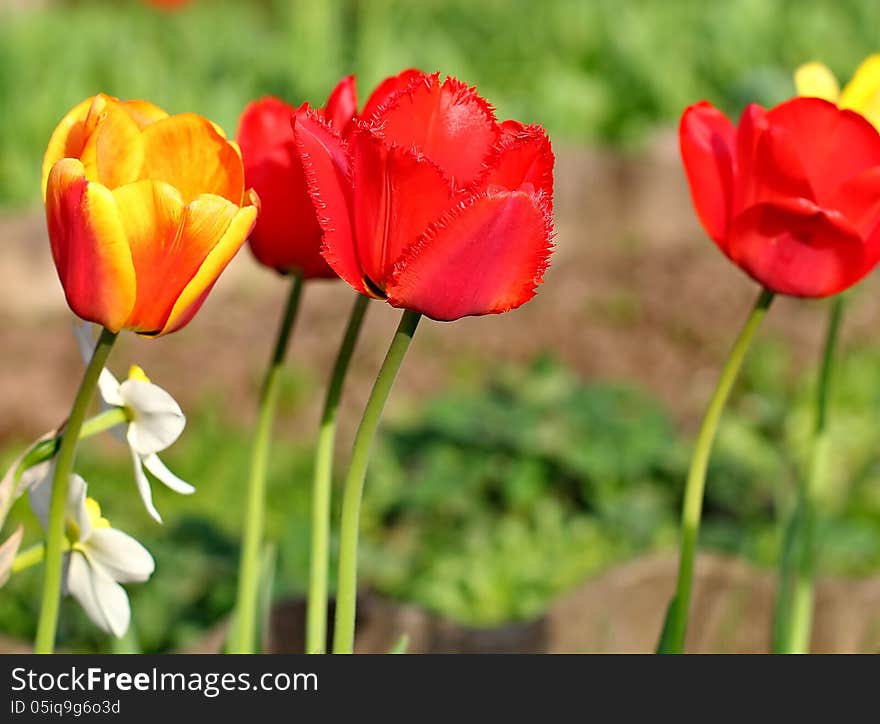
{"points": [[798, 249], [89, 246], [859, 201], [341, 106], [326, 166], [769, 168], [397, 195], [510, 127], [706, 139], [388, 88], [449, 123], [287, 236], [523, 159], [264, 132], [486, 256], [834, 145]]}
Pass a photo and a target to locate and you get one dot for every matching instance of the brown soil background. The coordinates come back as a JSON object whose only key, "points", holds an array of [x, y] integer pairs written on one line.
{"points": [[636, 292]]}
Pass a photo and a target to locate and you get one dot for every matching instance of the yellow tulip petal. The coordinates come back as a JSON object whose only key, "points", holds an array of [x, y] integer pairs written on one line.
{"points": [[113, 152], [862, 93], [62, 139], [199, 222], [143, 112], [152, 213], [105, 139], [187, 152], [817, 81], [89, 246]]}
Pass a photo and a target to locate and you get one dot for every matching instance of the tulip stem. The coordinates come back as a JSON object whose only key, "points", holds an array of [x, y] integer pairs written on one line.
{"points": [[675, 627], [244, 628], [316, 617], [793, 619], [346, 591], [47, 624]]}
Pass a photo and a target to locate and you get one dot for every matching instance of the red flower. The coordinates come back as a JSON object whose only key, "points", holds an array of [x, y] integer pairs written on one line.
{"points": [[287, 236], [429, 202], [792, 195]]}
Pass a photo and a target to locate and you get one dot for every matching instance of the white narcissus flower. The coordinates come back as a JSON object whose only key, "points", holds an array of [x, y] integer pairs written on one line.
{"points": [[156, 421], [98, 558]]}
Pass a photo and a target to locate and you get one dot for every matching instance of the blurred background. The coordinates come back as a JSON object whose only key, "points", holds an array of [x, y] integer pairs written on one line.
{"points": [[525, 491]]}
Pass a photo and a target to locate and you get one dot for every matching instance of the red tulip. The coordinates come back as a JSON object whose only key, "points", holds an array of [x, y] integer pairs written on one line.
{"points": [[287, 236], [791, 195], [431, 203]]}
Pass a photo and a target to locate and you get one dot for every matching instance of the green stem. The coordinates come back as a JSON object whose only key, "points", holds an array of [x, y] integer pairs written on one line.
{"points": [[346, 592], [793, 618], [316, 617], [104, 421], [672, 639], [244, 631], [45, 449], [30, 557], [47, 624]]}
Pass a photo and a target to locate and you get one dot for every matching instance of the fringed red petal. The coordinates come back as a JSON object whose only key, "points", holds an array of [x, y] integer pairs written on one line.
{"points": [[486, 255]]}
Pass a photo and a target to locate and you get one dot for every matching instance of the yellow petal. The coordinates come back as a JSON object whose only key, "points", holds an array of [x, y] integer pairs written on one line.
{"points": [[152, 213], [58, 142], [187, 152], [862, 93], [817, 81], [143, 112], [200, 222], [113, 152], [104, 134]]}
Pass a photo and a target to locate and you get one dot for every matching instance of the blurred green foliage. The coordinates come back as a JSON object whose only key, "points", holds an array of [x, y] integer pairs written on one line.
{"points": [[606, 70], [489, 502]]}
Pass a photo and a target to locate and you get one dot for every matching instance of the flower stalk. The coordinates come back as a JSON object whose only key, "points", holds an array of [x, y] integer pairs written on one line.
{"points": [[675, 627], [346, 592], [244, 631], [316, 616], [793, 618], [47, 624], [30, 557], [45, 449]]}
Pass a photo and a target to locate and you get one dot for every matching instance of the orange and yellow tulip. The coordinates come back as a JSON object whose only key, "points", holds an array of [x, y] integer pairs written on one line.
{"points": [[144, 212]]}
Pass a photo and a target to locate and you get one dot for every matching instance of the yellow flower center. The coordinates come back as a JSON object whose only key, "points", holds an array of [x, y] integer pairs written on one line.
{"points": [[136, 373], [71, 528]]}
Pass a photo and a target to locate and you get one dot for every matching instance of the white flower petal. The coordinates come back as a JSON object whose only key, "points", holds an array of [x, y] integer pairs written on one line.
{"points": [[158, 419], [40, 495], [104, 600], [120, 555], [143, 485], [13, 483], [108, 386], [107, 383], [40, 498], [165, 476], [7, 553], [33, 475], [85, 339], [76, 506]]}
